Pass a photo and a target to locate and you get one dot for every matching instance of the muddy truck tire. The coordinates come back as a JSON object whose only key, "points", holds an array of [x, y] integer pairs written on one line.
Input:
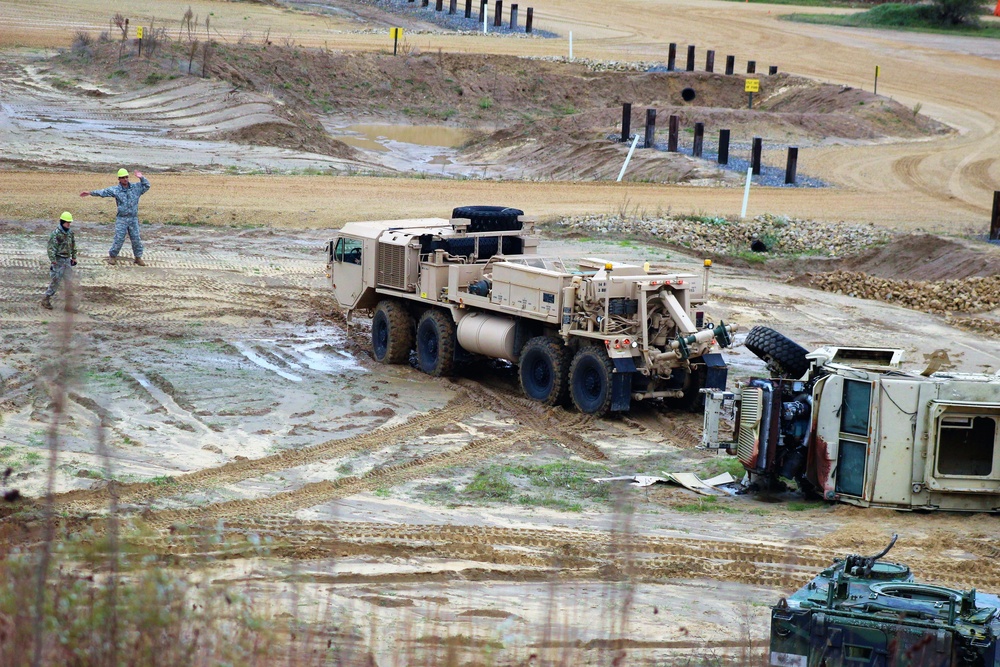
{"points": [[392, 333], [786, 357], [590, 381], [544, 370], [436, 343]]}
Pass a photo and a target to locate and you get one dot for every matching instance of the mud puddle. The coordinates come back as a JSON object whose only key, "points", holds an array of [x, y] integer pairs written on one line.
{"points": [[420, 148]]}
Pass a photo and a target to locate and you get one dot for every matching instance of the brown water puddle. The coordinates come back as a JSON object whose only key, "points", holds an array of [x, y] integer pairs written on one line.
{"points": [[375, 137]]}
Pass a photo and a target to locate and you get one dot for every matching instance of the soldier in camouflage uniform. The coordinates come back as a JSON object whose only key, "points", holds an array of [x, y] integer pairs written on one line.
{"points": [[127, 222], [62, 256]]}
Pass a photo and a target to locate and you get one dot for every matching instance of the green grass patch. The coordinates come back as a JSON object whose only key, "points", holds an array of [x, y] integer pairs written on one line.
{"points": [[490, 484], [896, 16], [705, 504], [800, 506], [528, 500]]}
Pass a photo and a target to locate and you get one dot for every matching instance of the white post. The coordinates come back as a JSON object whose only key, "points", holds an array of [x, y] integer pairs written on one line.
{"points": [[627, 158], [486, 10], [746, 193], [571, 45]]}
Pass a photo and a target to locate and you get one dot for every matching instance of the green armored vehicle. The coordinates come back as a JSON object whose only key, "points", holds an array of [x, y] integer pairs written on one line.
{"points": [[865, 613]]}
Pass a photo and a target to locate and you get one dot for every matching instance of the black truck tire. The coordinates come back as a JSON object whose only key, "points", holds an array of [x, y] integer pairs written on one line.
{"points": [[544, 370], [490, 218], [392, 332], [787, 357], [590, 380], [436, 343]]}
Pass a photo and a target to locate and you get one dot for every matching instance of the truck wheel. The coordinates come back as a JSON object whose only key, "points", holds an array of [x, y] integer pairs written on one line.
{"points": [[787, 357], [590, 380], [545, 370], [392, 333], [436, 343]]}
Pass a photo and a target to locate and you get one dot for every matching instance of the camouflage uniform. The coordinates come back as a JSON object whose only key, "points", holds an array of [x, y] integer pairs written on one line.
{"points": [[128, 214], [62, 253]]}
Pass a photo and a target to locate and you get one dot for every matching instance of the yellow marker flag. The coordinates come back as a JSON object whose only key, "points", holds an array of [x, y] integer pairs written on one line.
{"points": [[138, 32]]}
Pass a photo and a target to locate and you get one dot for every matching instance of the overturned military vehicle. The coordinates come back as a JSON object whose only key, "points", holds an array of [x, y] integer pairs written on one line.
{"points": [[849, 424]]}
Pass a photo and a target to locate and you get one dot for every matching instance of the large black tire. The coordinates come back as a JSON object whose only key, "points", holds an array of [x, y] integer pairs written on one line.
{"points": [[590, 380], [436, 343], [489, 218], [787, 358], [544, 370], [392, 332]]}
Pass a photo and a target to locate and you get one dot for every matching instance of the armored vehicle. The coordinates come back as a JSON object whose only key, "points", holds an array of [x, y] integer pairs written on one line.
{"points": [[603, 333], [863, 612], [849, 424]]}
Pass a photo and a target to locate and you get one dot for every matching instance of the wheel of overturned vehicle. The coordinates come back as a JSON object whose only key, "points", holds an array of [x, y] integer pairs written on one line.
{"points": [[544, 370], [392, 332], [489, 218], [590, 380], [436, 343], [785, 356]]}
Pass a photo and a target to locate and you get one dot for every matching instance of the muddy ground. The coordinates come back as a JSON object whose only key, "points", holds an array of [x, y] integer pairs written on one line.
{"points": [[248, 425], [233, 398]]}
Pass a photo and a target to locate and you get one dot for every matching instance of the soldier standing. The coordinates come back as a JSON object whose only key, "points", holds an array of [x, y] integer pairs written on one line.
{"points": [[62, 255], [127, 222]]}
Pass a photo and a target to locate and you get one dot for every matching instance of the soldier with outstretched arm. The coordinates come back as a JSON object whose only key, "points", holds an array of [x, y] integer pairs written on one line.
{"points": [[127, 221]]}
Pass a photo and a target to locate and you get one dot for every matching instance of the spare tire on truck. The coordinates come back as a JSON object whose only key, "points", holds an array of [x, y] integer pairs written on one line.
{"points": [[490, 218], [786, 357]]}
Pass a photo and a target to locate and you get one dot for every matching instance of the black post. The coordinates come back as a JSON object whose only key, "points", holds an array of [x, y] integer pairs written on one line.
{"points": [[438, 5], [482, 10], [758, 144], [699, 139], [453, 6], [527, 21], [626, 120], [751, 67], [772, 70], [730, 65], [995, 222], [690, 65], [723, 146], [791, 165], [710, 61], [671, 56], [424, 3], [395, 40], [468, 9], [650, 128], [513, 16], [675, 128], [498, 14]]}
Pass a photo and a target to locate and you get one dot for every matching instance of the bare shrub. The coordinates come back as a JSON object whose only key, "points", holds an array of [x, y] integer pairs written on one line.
{"points": [[193, 49], [82, 42], [121, 23], [187, 21]]}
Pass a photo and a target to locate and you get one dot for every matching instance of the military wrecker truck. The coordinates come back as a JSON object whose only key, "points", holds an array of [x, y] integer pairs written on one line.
{"points": [[604, 334], [849, 424], [865, 612]]}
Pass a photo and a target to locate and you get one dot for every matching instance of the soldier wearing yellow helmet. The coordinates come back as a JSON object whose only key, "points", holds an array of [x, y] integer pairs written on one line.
{"points": [[62, 256], [127, 221]]}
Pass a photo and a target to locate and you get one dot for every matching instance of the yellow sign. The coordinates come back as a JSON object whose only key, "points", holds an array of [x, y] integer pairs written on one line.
{"points": [[138, 32], [752, 86], [395, 33]]}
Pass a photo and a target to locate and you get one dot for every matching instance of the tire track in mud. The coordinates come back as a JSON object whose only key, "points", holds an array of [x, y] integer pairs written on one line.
{"points": [[317, 493], [555, 423], [540, 553], [237, 471], [978, 174]]}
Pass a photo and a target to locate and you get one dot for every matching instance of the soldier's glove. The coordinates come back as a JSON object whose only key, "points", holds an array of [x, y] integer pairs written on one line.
{"points": [[72, 262]]}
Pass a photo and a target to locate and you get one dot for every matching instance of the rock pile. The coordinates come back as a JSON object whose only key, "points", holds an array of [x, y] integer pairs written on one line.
{"points": [[771, 235], [969, 295]]}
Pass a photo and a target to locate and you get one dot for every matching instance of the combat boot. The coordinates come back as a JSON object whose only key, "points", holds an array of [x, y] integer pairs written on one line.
{"points": [[138, 260], [112, 260], [46, 302]]}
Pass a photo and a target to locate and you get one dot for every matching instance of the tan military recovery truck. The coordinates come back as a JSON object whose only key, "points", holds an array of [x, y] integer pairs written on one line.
{"points": [[851, 425], [602, 335]]}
